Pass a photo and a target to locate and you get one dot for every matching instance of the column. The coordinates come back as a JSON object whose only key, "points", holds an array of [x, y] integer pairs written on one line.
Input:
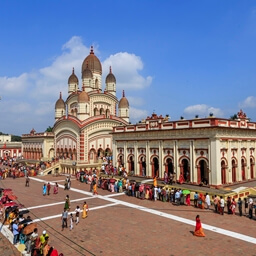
{"points": [[148, 165], [136, 162], [161, 168]]}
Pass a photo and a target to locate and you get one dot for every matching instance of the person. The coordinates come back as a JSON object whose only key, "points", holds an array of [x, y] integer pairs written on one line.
{"points": [[222, 205], [85, 210], [67, 203], [240, 206], [215, 202], [195, 199], [233, 206], [229, 205], [208, 201], [43, 241], [27, 181], [15, 231], [71, 221], [177, 197], [95, 188], [45, 247], [30, 244], [64, 218], [165, 177], [250, 208], [245, 206], [69, 182], [44, 189], [188, 199], [56, 188], [48, 188], [199, 230], [181, 179], [155, 182], [77, 212]]}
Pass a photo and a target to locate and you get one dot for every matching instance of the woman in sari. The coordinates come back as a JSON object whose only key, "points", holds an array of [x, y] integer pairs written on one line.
{"points": [[95, 188], [198, 230], [155, 182], [203, 201], [233, 206], [85, 210], [67, 203], [44, 189], [56, 188], [188, 199]]}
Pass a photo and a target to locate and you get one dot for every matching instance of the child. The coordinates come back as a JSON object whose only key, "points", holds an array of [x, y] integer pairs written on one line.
{"points": [[77, 211], [71, 221]]}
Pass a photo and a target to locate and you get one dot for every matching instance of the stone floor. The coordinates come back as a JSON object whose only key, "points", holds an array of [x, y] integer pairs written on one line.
{"points": [[121, 225]]}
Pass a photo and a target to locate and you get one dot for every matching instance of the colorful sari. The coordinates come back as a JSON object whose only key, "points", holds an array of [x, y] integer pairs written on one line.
{"points": [[55, 189], [85, 210], [199, 230]]}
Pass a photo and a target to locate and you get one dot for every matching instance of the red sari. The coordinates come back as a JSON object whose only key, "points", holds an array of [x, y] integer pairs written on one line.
{"points": [[199, 230]]}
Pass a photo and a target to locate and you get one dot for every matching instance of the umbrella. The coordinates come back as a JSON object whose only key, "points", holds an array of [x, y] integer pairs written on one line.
{"points": [[23, 212], [12, 197], [10, 204], [185, 192], [112, 180], [21, 247]]}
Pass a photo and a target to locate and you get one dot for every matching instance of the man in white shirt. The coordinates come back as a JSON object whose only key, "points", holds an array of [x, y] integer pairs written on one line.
{"points": [[208, 201], [222, 205]]}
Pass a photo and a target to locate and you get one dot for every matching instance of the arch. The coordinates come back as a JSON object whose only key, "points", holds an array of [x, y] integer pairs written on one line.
{"points": [[252, 164], [96, 83], [102, 111], [120, 160], [169, 167], [223, 172], [234, 169], [130, 160], [108, 152], [184, 168], [142, 165], [92, 156], [107, 113], [100, 153], [51, 153], [243, 166], [155, 166], [95, 111], [202, 171]]}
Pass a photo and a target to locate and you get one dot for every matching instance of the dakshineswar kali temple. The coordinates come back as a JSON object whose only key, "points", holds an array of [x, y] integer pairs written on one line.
{"points": [[83, 122], [92, 124]]}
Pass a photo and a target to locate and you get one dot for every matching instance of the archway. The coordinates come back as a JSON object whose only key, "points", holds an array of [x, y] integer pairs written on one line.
{"points": [[243, 168], [131, 165], [100, 153], [203, 175], [155, 167], [185, 169], [234, 170], [223, 172], [252, 168], [169, 166], [143, 166]]}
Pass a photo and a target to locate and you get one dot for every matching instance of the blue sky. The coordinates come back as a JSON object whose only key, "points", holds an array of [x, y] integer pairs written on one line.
{"points": [[182, 58]]}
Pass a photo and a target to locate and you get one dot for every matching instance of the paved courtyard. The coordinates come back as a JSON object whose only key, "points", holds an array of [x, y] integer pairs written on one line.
{"points": [[122, 225]]}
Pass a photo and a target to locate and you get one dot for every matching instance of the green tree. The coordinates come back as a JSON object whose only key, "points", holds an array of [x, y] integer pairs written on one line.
{"points": [[49, 129], [234, 117]]}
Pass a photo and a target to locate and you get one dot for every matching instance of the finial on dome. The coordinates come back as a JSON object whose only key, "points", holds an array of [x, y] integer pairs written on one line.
{"points": [[91, 50], [83, 87], [60, 95], [123, 94], [110, 70], [73, 70]]}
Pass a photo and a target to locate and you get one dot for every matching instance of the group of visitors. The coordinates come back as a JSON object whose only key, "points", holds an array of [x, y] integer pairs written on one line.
{"points": [[47, 188], [72, 219]]}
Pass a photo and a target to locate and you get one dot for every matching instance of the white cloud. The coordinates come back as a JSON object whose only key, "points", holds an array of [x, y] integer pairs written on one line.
{"points": [[31, 96], [126, 67], [202, 110], [249, 102], [137, 114], [135, 101]]}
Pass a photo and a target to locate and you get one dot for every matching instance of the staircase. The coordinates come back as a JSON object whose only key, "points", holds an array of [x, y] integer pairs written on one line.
{"points": [[55, 169]]}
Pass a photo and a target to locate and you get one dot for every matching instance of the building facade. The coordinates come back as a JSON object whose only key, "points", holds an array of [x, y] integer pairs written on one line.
{"points": [[38, 146], [84, 121], [9, 148], [210, 150]]}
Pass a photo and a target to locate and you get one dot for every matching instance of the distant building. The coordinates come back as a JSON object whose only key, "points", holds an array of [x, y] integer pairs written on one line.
{"points": [[212, 150], [9, 149], [38, 146]]}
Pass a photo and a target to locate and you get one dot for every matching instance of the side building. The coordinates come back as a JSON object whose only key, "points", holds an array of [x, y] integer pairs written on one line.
{"points": [[211, 150]]}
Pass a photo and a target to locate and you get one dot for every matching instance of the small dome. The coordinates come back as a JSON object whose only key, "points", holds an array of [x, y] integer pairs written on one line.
{"points": [[87, 73], [60, 102], [73, 78], [110, 77], [92, 62], [123, 103], [83, 97]]}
